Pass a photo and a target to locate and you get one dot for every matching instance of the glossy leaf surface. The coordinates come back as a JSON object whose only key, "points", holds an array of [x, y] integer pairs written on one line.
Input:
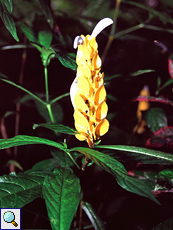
{"points": [[156, 119], [61, 191], [16, 190], [118, 171], [56, 127]]}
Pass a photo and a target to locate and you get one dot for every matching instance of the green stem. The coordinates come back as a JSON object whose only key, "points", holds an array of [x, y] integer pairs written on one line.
{"points": [[131, 29], [50, 113], [46, 84], [113, 28], [48, 105], [60, 97], [72, 159], [22, 88]]}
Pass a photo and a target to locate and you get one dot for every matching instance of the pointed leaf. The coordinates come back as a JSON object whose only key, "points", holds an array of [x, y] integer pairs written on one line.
{"points": [[56, 127], [68, 60], [29, 32], [95, 220], [156, 119], [118, 171], [8, 4], [139, 72], [8, 21], [168, 82], [17, 190], [139, 150], [28, 140], [61, 192], [166, 225]]}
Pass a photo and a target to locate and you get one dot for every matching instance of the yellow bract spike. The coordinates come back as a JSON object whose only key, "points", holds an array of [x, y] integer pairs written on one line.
{"points": [[101, 111], [81, 103], [102, 128], [88, 94], [100, 95]]}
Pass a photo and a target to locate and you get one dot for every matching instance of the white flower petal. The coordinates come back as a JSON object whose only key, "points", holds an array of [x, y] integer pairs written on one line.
{"points": [[101, 25]]}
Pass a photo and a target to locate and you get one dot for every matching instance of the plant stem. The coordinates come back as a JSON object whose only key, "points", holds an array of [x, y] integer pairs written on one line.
{"points": [[46, 84], [113, 28], [50, 113], [131, 29], [60, 97], [48, 105]]}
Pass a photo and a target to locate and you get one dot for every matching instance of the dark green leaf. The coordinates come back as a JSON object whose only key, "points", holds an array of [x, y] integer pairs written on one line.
{"points": [[45, 5], [28, 140], [63, 159], [167, 83], [118, 171], [95, 220], [8, 20], [45, 38], [156, 119], [56, 127], [139, 72], [163, 17], [17, 190], [158, 155], [45, 165], [29, 33], [68, 60], [61, 191], [56, 111], [8, 4], [166, 225]]}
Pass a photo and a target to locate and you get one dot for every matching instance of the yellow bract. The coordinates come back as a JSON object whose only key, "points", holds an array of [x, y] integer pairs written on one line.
{"points": [[88, 93]]}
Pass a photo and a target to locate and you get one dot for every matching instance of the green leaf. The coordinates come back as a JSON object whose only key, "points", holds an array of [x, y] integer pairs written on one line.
{"points": [[163, 17], [45, 5], [61, 191], [28, 140], [29, 32], [139, 150], [166, 225], [63, 159], [8, 20], [8, 4], [95, 220], [118, 171], [139, 72], [68, 60], [45, 38], [56, 111], [167, 83], [156, 119], [56, 127], [17, 190], [45, 165]]}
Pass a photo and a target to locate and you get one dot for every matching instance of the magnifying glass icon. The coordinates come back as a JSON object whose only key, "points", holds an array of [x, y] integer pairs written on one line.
{"points": [[9, 217]]}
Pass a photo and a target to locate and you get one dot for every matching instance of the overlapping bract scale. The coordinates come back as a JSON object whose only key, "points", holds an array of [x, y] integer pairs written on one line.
{"points": [[88, 93]]}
